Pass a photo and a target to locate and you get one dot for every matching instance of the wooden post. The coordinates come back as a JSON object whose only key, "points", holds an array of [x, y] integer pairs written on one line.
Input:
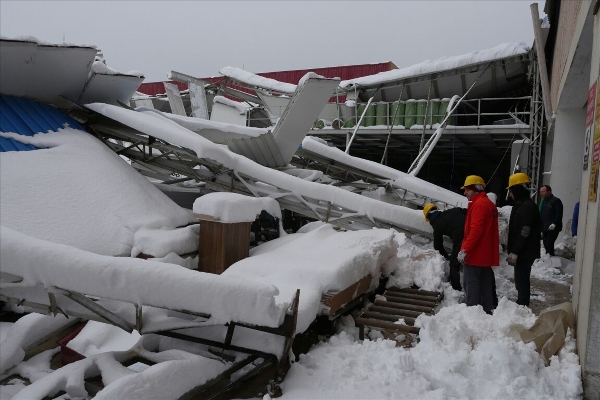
{"points": [[222, 244]]}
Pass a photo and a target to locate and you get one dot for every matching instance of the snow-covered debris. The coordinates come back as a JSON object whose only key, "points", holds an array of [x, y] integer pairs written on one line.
{"points": [[258, 81], [233, 207], [80, 193], [335, 261], [441, 64]]}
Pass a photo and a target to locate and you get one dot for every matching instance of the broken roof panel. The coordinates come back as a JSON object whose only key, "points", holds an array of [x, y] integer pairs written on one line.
{"points": [[26, 117], [504, 50], [44, 72], [257, 81]]}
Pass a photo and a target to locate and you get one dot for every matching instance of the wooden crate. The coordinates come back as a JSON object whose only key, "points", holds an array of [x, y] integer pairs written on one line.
{"points": [[334, 301], [222, 244]]}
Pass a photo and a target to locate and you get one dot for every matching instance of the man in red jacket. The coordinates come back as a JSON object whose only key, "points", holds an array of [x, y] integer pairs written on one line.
{"points": [[480, 246]]}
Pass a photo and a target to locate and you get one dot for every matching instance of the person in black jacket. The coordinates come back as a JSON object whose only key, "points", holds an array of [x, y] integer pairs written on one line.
{"points": [[524, 229], [551, 210], [449, 223]]}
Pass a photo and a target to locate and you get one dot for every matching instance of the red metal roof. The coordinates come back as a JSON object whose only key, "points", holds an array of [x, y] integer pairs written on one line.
{"points": [[293, 76]]}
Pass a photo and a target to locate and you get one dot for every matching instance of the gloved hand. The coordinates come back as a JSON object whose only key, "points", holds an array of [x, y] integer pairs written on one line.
{"points": [[551, 227], [512, 259], [461, 256]]}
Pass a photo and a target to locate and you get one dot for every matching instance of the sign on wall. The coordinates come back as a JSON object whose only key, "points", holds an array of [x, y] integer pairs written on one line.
{"points": [[590, 121]]}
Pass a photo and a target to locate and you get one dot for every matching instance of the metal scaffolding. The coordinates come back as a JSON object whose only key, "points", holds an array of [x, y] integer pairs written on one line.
{"points": [[538, 126]]}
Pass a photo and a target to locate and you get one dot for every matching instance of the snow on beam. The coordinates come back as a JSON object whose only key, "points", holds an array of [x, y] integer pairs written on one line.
{"points": [[142, 282], [257, 81], [280, 182], [501, 51]]}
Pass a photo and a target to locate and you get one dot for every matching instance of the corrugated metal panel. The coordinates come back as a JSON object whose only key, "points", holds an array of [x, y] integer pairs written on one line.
{"points": [[261, 149], [27, 117], [7, 144]]}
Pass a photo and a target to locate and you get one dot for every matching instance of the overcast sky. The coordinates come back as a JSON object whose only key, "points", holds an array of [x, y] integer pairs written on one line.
{"points": [[200, 37]]}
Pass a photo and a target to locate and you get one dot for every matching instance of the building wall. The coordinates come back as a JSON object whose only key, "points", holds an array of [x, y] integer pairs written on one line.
{"points": [[565, 36], [586, 295], [567, 161], [572, 37]]}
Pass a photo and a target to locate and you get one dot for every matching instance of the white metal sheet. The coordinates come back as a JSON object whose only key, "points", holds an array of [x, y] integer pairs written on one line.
{"points": [[300, 114], [44, 73], [175, 101], [110, 89]]}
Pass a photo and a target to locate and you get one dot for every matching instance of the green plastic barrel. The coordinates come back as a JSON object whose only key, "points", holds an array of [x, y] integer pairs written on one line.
{"points": [[442, 111], [421, 108], [381, 113], [433, 114], [397, 112], [349, 123], [360, 108], [369, 119], [410, 113]]}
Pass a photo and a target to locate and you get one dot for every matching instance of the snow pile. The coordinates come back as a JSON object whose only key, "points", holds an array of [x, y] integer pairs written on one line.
{"points": [[233, 207], [175, 373], [162, 242], [241, 107], [463, 353], [143, 282], [96, 338], [415, 265], [80, 193], [29, 330], [335, 261]]}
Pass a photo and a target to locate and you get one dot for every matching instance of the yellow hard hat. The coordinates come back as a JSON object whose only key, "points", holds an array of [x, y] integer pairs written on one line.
{"points": [[428, 207], [473, 180], [518, 179]]}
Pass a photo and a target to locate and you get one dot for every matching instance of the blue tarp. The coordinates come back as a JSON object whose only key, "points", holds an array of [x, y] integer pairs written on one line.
{"points": [[26, 117]]}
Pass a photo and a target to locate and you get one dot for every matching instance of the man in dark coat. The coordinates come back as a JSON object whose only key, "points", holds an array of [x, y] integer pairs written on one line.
{"points": [[524, 229], [450, 223], [551, 211]]}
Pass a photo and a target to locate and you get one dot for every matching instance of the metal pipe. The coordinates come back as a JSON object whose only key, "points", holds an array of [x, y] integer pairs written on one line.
{"points": [[358, 124], [541, 56]]}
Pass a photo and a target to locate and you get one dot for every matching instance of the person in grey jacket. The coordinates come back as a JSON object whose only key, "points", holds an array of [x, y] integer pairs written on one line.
{"points": [[551, 211], [524, 229]]}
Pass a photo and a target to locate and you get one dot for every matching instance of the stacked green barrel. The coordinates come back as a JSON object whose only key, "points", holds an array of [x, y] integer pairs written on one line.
{"points": [[381, 113], [402, 113], [433, 116], [397, 111], [369, 118], [442, 111], [421, 110], [410, 113]]}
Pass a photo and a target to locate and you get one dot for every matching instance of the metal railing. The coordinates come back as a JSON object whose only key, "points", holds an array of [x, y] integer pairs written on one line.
{"points": [[472, 112]]}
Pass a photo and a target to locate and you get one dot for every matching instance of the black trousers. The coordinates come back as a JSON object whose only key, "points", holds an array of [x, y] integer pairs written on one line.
{"points": [[480, 286], [455, 267], [522, 281], [549, 238], [455, 274]]}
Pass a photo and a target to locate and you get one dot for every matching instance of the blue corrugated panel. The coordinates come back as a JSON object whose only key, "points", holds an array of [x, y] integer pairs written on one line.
{"points": [[27, 117]]}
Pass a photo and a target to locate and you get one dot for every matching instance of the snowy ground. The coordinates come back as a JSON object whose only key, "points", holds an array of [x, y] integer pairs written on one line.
{"points": [[462, 352]]}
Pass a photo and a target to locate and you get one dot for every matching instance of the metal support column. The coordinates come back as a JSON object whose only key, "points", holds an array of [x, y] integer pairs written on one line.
{"points": [[537, 124]]}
